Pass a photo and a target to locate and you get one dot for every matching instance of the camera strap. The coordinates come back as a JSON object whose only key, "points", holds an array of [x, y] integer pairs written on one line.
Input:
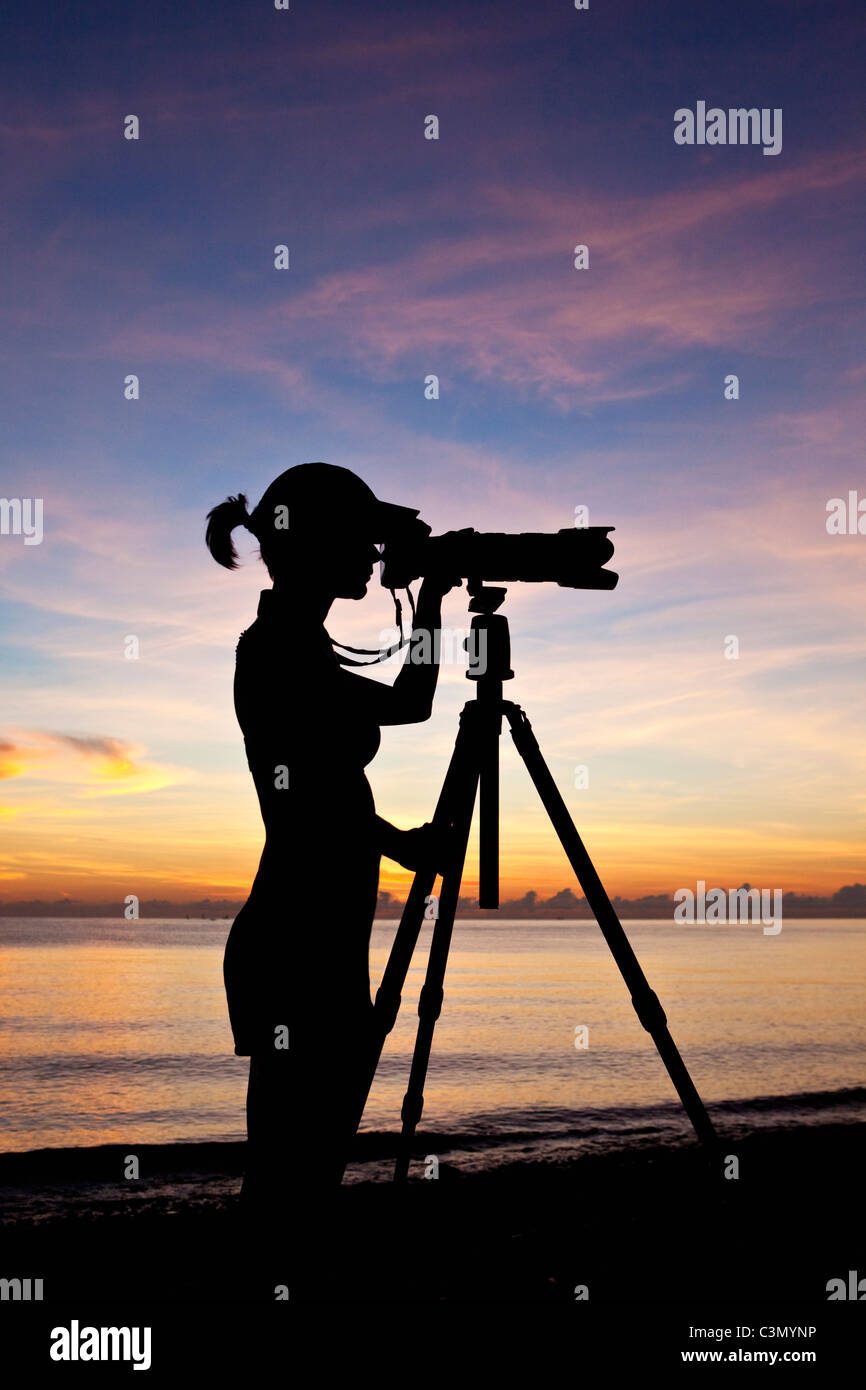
{"points": [[377, 656]]}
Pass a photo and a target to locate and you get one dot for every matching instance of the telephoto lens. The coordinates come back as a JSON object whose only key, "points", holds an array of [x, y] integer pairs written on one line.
{"points": [[573, 558]]}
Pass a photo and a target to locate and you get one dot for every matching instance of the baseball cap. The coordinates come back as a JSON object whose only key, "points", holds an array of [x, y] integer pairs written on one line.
{"points": [[325, 497]]}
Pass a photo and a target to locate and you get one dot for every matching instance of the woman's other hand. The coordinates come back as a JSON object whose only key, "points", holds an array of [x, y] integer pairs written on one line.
{"points": [[424, 845]]}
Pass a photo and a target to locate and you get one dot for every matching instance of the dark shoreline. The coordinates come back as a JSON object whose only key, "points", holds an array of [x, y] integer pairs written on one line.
{"points": [[649, 1223], [630, 909]]}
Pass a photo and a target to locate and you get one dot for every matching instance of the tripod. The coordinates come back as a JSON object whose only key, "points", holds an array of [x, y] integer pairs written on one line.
{"points": [[474, 769]]}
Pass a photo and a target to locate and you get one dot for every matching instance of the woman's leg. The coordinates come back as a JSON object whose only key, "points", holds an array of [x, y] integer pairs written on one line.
{"points": [[302, 1100], [268, 1135]]}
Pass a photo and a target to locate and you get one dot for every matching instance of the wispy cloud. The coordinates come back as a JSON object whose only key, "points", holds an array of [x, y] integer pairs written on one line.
{"points": [[92, 765]]}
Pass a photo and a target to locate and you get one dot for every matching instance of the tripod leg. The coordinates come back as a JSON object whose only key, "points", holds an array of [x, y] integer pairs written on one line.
{"points": [[645, 1000], [432, 993]]}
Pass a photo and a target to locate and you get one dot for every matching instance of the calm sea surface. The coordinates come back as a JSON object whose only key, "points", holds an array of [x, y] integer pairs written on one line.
{"points": [[117, 1033]]}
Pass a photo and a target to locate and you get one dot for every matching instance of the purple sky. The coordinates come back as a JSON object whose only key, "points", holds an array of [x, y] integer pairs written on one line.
{"points": [[602, 387]]}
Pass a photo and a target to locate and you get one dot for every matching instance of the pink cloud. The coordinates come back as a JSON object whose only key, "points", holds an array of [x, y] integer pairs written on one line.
{"points": [[504, 304]]}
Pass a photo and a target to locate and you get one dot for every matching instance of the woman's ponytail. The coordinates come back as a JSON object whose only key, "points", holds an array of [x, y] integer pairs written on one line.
{"points": [[220, 524]]}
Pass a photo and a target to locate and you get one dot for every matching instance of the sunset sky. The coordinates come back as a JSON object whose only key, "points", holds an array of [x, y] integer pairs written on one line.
{"points": [[558, 388]]}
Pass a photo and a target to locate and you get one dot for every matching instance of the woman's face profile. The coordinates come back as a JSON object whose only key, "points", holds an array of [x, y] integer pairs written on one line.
{"points": [[343, 567], [354, 568]]}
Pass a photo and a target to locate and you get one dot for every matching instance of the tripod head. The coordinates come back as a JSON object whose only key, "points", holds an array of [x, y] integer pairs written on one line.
{"points": [[484, 598], [489, 646]]}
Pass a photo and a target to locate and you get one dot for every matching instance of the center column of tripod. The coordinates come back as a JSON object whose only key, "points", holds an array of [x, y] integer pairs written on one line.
{"points": [[489, 649]]}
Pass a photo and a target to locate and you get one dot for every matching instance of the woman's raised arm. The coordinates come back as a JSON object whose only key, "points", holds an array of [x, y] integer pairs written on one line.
{"points": [[410, 699]]}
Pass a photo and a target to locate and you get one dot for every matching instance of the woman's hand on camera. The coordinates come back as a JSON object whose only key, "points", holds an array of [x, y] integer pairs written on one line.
{"points": [[439, 583], [435, 586]]}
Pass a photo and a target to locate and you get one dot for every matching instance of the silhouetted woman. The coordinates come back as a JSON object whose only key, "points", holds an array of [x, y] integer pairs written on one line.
{"points": [[296, 961]]}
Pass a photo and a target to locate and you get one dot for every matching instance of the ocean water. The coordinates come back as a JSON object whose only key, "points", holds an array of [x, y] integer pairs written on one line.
{"points": [[116, 1032]]}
